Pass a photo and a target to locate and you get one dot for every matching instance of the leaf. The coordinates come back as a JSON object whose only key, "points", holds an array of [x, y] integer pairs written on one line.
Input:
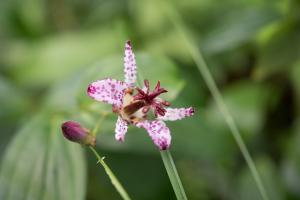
{"points": [[54, 58], [40, 164], [295, 77], [280, 51], [291, 162], [247, 188], [235, 29], [12, 100], [246, 101], [14, 103]]}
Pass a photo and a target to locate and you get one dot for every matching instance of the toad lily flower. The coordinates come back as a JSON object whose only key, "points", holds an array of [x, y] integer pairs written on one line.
{"points": [[133, 105]]}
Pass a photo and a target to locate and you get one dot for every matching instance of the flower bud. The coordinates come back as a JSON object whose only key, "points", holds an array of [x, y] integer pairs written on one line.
{"points": [[75, 133]]}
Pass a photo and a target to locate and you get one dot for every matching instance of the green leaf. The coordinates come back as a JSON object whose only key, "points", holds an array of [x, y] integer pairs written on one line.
{"points": [[236, 28], [12, 100], [280, 51], [247, 188], [246, 101], [295, 77], [14, 103], [291, 162], [37, 64], [40, 164]]}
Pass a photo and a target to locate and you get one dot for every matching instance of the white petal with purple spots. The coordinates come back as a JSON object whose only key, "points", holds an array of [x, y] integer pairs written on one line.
{"points": [[129, 65], [121, 129], [158, 131], [108, 90], [173, 114]]}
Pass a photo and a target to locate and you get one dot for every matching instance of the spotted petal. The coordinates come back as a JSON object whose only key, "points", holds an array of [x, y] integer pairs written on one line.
{"points": [[158, 131], [121, 129], [173, 114], [129, 65], [107, 90]]}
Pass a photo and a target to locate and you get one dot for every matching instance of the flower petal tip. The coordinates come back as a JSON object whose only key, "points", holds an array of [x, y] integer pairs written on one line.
{"points": [[158, 132], [120, 139], [191, 111], [91, 90], [164, 146], [121, 129]]}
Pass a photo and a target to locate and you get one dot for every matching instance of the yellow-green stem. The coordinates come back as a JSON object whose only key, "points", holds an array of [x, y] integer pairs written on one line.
{"points": [[116, 183]]}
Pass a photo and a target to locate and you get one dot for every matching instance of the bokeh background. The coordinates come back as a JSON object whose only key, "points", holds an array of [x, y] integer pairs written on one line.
{"points": [[50, 50]]}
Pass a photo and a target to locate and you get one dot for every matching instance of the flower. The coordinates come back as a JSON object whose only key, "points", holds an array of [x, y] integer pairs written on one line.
{"points": [[75, 133], [133, 104]]}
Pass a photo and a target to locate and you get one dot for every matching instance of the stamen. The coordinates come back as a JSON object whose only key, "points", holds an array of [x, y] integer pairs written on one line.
{"points": [[140, 91], [156, 93], [149, 98], [157, 85], [147, 85]]}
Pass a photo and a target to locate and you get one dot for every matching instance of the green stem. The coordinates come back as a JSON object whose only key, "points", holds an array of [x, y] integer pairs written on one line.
{"points": [[203, 69], [111, 175], [173, 175]]}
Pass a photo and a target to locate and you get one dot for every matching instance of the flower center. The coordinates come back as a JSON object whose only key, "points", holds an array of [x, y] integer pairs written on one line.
{"points": [[150, 98], [136, 106]]}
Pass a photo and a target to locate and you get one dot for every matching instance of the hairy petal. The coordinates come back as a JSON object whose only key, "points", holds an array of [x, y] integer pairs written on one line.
{"points": [[121, 129], [173, 114], [129, 65], [158, 131], [108, 90]]}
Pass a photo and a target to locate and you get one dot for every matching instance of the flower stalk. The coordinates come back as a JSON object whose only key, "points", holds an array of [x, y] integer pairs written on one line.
{"points": [[116, 183], [173, 175]]}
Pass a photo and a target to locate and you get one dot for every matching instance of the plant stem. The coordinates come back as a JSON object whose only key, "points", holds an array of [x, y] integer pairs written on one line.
{"points": [[203, 69], [111, 175], [173, 175]]}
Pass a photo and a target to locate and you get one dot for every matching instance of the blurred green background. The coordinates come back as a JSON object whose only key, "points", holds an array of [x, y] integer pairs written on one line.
{"points": [[52, 49]]}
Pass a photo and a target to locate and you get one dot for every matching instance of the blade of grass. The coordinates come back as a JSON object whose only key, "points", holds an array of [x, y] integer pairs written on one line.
{"points": [[116, 183], [203, 69], [173, 175]]}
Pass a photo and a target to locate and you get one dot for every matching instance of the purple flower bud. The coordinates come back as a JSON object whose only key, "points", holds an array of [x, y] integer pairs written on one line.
{"points": [[75, 133]]}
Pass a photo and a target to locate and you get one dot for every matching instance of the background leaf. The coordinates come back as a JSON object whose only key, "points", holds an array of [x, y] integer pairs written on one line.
{"points": [[41, 164]]}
